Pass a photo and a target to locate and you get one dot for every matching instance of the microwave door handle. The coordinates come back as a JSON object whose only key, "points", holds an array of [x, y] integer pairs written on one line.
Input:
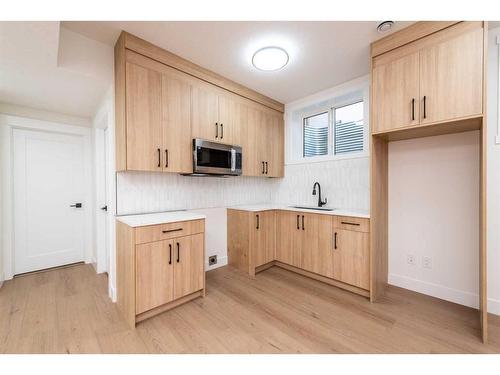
{"points": [[233, 160]]}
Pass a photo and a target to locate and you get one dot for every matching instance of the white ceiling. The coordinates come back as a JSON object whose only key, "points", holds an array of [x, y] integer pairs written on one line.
{"points": [[322, 54], [67, 67]]}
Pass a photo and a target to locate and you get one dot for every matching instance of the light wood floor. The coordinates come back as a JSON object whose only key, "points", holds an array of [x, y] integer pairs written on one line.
{"points": [[68, 311]]}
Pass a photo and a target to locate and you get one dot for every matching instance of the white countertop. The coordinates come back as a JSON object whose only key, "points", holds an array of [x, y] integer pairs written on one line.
{"points": [[335, 212], [159, 218]]}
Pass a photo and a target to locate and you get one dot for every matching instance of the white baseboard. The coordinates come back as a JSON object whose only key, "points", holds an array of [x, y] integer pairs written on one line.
{"points": [[435, 290], [221, 262]]}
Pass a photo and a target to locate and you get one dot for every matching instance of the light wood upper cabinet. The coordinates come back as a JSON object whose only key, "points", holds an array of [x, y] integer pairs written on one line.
{"points": [[452, 78], [264, 238], [205, 110], [143, 118], [396, 92], [189, 264], [155, 275], [436, 79], [176, 124], [275, 142]]}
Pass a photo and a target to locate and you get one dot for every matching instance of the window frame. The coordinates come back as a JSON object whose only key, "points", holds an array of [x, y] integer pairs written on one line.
{"points": [[334, 123], [312, 114]]}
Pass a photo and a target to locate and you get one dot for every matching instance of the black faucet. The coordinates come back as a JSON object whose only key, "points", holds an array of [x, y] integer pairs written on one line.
{"points": [[320, 202]]}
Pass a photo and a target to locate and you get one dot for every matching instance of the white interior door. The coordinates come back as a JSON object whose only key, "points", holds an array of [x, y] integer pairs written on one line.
{"points": [[48, 178]]}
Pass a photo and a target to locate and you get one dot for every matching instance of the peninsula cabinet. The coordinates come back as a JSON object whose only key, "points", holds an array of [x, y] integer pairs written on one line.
{"points": [[162, 102], [158, 267], [435, 79], [329, 248], [251, 239]]}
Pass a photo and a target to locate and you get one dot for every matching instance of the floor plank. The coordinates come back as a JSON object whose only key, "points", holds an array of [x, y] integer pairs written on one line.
{"points": [[67, 310]]}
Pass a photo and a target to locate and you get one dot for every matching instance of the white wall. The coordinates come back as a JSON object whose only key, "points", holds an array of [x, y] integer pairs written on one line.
{"points": [[434, 212], [493, 182]]}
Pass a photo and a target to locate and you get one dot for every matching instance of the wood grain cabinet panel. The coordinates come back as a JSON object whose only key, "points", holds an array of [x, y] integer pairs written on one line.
{"points": [[289, 238], [189, 264], [205, 112], [176, 124], [154, 275], [263, 243], [143, 118], [351, 257], [396, 93], [452, 78], [321, 258]]}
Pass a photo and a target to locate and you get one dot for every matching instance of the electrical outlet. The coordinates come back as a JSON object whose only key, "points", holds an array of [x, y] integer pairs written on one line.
{"points": [[212, 260], [427, 262], [410, 259]]}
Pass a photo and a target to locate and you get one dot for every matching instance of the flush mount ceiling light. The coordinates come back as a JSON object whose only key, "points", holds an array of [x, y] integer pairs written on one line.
{"points": [[270, 59], [385, 26]]}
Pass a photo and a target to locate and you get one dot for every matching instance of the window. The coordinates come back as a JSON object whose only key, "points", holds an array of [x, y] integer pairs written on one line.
{"points": [[316, 135], [343, 134], [348, 128]]}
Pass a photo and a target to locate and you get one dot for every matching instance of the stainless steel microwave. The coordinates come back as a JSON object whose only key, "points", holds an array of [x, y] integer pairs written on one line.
{"points": [[216, 158]]}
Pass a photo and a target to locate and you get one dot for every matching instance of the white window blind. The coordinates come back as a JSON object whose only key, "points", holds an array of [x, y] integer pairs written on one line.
{"points": [[348, 129], [316, 135]]}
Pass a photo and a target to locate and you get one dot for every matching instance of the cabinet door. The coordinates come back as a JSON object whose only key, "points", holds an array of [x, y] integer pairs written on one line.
{"points": [[452, 78], [229, 120], [176, 120], [263, 246], [252, 158], [395, 91], [154, 275], [317, 244], [351, 257], [189, 264], [289, 239], [205, 112], [275, 146], [144, 128]]}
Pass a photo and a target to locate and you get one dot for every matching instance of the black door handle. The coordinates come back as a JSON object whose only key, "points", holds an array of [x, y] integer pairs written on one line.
{"points": [[266, 167], [413, 109], [166, 158], [159, 158], [303, 222], [258, 221], [425, 112], [105, 208], [178, 252], [262, 167], [216, 130], [335, 241], [76, 205], [170, 251], [221, 130], [298, 218]]}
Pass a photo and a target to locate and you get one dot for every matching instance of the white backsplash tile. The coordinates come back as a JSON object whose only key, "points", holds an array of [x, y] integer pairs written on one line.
{"points": [[344, 182]]}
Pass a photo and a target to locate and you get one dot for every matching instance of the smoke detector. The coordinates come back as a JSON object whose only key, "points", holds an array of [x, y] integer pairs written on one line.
{"points": [[385, 26]]}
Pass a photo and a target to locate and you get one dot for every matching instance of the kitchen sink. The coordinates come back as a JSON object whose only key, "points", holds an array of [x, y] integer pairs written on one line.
{"points": [[314, 208]]}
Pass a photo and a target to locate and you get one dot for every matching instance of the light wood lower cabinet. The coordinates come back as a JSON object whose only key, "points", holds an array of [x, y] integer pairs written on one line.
{"points": [[251, 239], [333, 249], [155, 276]]}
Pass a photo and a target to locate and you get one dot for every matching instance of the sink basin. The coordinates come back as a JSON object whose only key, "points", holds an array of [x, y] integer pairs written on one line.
{"points": [[314, 208]]}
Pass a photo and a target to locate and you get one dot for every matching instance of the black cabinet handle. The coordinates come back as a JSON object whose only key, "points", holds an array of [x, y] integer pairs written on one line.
{"points": [[159, 158], [178, 252], [262, 167], [104, 208], [216, 130], [171, 230], [413, 109], [166, 158], [170, 256], [79, 205], [266, 167], [335, 241], [221, 130], [258, 221], [347, 223], [303, 222], [298, 218], [425, 112]]}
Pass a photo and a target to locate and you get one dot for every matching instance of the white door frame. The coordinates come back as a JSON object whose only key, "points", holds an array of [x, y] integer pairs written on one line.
{"points": [[7, 124]]}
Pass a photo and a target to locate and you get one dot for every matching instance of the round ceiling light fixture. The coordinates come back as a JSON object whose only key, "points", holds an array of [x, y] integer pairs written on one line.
{"points": [[385, 26], [270, 59]]}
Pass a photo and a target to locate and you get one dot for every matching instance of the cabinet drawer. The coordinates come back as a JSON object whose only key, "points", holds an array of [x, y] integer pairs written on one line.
{"points": [[167, 231], [352, 223]]}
